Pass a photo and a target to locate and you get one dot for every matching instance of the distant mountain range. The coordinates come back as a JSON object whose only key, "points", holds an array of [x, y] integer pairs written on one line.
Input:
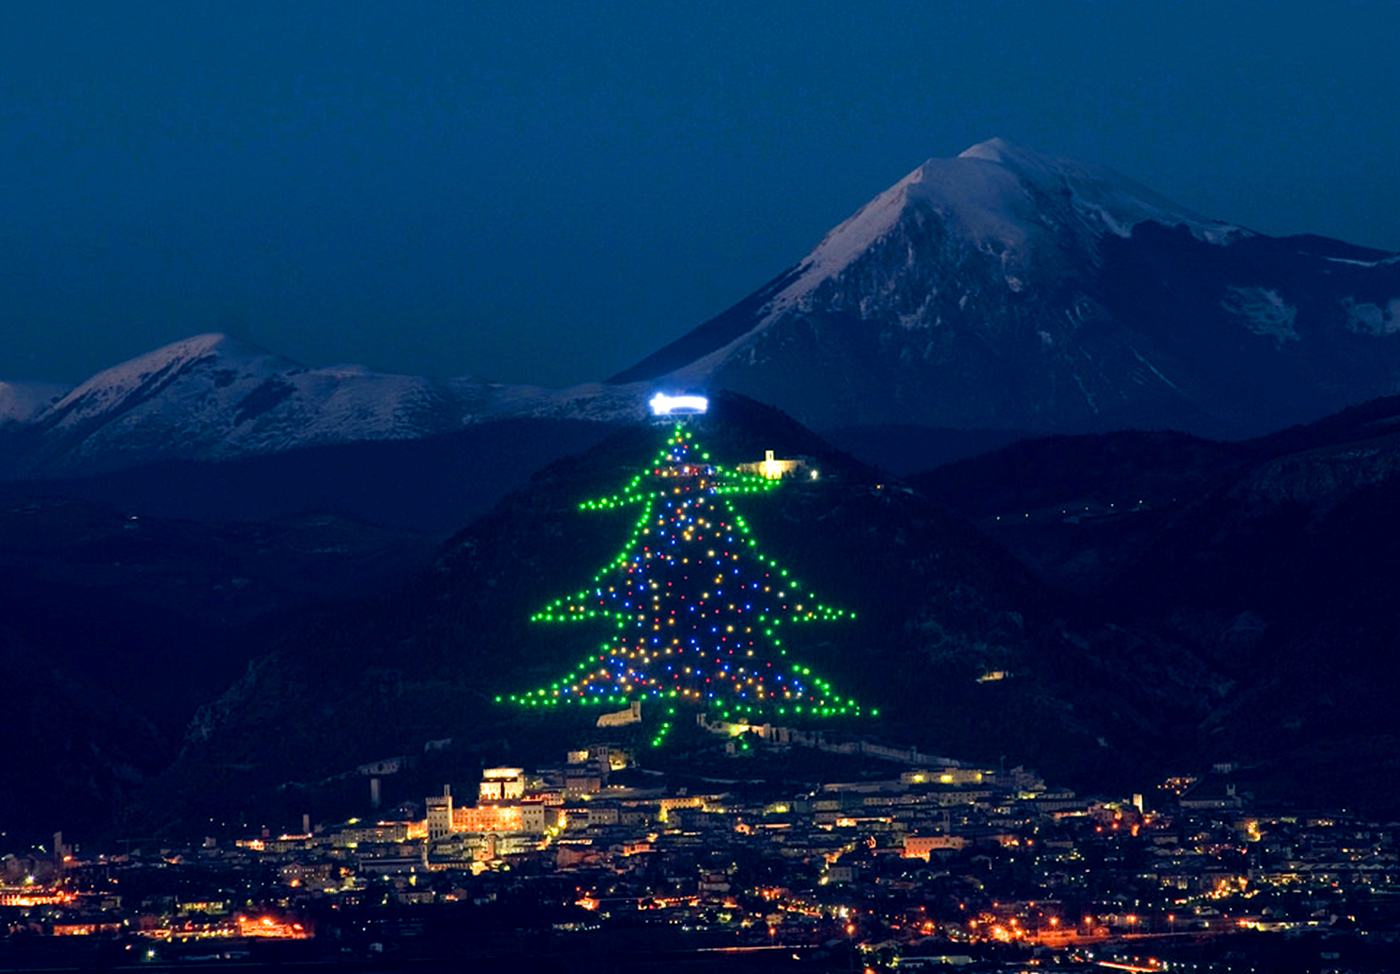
{"points": [[999, 293], [215, 428], [215, 398]]}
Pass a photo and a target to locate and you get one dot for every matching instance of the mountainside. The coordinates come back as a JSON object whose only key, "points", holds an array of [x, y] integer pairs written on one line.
{"points": [[1007, 290], [1107, 608], [937, 604], [1272, 557], [115, 628], [74, 747], [1147, 601], [433, 484], [214, 398]]}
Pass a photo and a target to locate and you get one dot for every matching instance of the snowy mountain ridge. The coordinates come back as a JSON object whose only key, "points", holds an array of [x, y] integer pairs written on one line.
{"points": [[213, 397]]}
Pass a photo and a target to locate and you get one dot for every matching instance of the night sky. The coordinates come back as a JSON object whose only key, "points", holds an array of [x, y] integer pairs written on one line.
{"points": [[546, 192]]}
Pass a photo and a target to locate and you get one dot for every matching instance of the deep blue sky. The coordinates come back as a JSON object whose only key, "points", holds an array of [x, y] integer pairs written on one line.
{"points": [[546, 192]]}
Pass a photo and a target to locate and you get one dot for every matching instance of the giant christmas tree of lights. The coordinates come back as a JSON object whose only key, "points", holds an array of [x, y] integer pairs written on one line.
{"points": [[696, 612]]}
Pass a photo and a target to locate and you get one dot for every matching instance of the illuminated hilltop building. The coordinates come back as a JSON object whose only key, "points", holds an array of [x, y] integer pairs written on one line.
{"points": [[512, 814], [772, 468], [695, 614]]}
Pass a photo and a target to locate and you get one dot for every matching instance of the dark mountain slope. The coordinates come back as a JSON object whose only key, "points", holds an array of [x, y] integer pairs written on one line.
{"points": [[938, 604], [431, 484], [115, 628], [74, 751], [1273, 557]]}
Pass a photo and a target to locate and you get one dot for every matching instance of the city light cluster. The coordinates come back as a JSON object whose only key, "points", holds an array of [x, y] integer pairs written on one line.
{"points": [[696, 609]]}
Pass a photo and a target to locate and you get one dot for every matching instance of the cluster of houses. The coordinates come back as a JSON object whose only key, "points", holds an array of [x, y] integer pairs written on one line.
{"points": [[941, 853]]}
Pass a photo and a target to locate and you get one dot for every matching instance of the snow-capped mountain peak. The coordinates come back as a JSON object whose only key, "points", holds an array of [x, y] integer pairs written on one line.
{"points": [[1033, 213], [999, 194], [225, 360], [1007, 289], [1099, 193]]}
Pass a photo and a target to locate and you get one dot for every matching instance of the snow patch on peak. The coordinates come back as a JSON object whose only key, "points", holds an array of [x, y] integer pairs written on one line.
{"points": [[1098, 192], [214, 346], [982, 203], [999, 150], [996, 193], [225, 359], [196, 347], [995, 149], [202, 344]]}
